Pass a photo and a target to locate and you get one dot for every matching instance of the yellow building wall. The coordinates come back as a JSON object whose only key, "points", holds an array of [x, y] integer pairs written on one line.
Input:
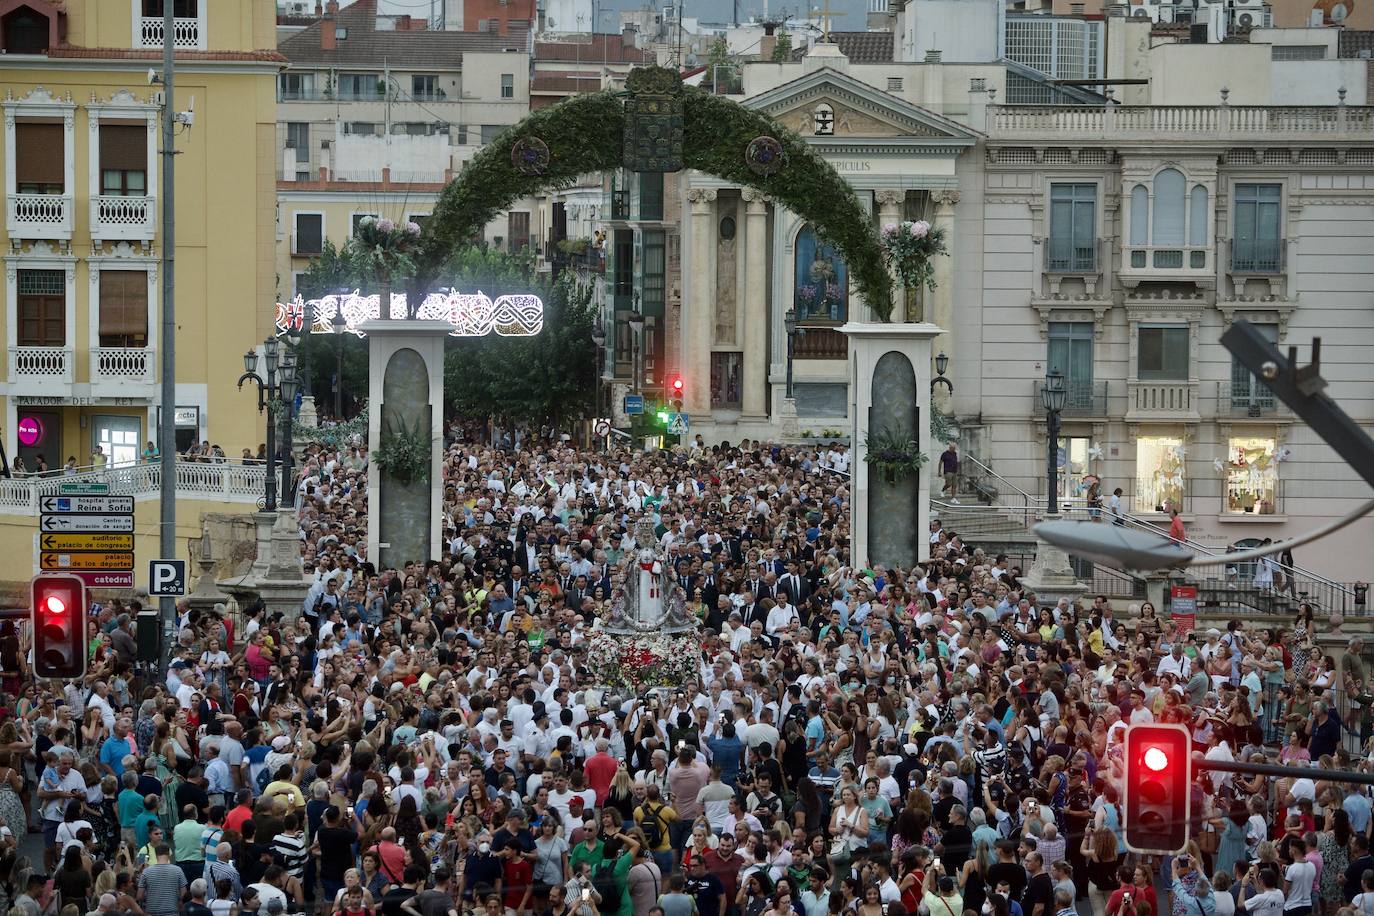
{"points": [[225, 271], [233, 25]]}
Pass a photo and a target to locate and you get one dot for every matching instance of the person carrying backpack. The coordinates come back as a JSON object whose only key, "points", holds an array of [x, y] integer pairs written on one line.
{"points": [[653, 818]]}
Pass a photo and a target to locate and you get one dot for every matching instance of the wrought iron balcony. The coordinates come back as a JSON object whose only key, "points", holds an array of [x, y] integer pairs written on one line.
{"points": [[1082, 398], [1253, 399], [1068, 256], [1258, 256]]}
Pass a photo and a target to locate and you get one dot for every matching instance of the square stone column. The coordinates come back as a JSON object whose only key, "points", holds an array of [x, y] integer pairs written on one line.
{"points": [[890, 366], [755, 400], [699, 326], [386, 338]]}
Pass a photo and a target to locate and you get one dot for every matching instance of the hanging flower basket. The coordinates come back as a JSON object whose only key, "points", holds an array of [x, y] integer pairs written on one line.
{"points": [[909, 248], [894, 453]]}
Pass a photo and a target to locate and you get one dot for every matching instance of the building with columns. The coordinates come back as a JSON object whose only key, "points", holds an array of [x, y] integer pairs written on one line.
{"points": [[747, 261]]}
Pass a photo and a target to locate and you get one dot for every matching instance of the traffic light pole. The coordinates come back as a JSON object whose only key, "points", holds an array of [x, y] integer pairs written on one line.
{"points": [[1276, 769]]}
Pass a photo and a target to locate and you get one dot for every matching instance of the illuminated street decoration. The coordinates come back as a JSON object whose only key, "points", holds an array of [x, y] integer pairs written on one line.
{"points": [[471, 314]]}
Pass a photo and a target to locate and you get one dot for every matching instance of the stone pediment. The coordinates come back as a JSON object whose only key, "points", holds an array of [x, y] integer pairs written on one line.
{"points": [[859, 111]]}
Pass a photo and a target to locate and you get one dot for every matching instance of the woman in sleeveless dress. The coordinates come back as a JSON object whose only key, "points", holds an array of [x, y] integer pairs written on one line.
{"points": [[11, 785]]}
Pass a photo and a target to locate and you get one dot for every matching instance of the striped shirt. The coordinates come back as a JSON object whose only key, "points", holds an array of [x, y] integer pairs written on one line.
{"points": [[294, 850], [209, 839], [216, 870], [162, 884]]}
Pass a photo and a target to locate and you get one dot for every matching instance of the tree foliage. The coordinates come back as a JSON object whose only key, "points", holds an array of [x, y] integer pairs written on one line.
{"points": [[782, 49], [548, 377]]}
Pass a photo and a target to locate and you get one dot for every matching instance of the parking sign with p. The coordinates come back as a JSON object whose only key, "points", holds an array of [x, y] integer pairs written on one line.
{"points": [[166, 578]]}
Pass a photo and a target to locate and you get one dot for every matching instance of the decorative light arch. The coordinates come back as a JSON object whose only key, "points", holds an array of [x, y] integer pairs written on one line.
{"points": [[471, 314]]}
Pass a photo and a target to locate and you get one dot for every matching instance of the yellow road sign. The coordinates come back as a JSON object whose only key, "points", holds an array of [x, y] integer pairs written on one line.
{"points": [[96, 542], [103, 561]]}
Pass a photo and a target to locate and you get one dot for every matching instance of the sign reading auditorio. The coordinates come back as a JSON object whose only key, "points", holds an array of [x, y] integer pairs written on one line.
{"points": [[471, 314]]}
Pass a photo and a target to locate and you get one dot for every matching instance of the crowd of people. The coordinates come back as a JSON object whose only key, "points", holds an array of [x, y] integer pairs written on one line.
{"points": [[856, 739]]}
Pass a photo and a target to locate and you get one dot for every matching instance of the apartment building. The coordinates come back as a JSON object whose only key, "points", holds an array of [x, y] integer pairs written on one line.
{"points": [[83, 227], [376, 113]]}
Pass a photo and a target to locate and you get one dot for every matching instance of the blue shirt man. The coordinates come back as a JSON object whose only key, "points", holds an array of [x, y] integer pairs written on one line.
{"points": [[115, 749], [727, 752]]}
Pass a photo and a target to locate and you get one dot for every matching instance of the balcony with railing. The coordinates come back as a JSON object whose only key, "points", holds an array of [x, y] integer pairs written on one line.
{"points": [[1161, 400], [1166, 262], [1070, 256], [1253, 400], [620, 205], [1158, 122], [1082, 398], [123, 367], [215, 482], [115, 217], [188, 32], [36, 370], [40, 216], [1258, 257]]}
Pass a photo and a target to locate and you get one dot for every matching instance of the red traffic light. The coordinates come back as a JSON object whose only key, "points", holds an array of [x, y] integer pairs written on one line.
{"points": [[677, 384], [59, 625], [1157, 790]]}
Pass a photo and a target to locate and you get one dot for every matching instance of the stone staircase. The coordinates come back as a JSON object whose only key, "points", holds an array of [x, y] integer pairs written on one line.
{"points": [[994, 529]]}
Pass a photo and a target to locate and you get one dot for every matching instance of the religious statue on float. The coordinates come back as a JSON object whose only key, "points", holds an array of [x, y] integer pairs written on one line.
{"points": [[647, 597]]}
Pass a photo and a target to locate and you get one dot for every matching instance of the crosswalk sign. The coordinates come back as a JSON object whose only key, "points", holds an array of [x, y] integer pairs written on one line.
{"points": [[677, 424]]}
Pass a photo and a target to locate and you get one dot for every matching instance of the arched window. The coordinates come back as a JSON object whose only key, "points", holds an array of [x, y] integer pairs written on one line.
{"points": [[824, 120], [1197, 216], [1140, 215], [822, 280], [1168, 216]]}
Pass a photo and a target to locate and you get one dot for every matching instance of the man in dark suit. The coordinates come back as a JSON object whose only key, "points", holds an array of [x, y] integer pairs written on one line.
{"points": [[753, 609], [793, 585]]}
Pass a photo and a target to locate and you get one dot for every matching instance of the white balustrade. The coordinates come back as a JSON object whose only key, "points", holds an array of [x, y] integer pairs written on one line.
{"points": [[39, 216], [45, 363], [1010, 121], [122, 364], [186, 32], [1161, 400], [118, 217], [228, 483]]}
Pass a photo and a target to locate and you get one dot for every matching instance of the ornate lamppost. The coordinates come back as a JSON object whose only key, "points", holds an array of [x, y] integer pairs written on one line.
{"points": [[279, 385]]}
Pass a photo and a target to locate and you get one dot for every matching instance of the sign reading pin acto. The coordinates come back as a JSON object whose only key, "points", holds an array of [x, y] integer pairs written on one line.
{"points": [[88, 535]]}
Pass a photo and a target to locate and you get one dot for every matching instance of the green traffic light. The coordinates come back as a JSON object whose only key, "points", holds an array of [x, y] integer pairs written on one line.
{"points": [[663, 416]]}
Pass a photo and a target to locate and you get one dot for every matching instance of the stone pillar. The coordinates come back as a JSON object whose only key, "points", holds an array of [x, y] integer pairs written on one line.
{"points": [[696, 345], [405, 521], [755, 337], [941, 298], [882, 512], [890, 202]]}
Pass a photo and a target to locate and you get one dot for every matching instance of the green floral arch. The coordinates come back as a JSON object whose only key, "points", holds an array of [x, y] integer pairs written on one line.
{"points": [[585, 133]]}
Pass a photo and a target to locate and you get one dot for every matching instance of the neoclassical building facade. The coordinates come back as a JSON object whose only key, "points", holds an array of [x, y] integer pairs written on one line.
{"points": [[747, 261]]}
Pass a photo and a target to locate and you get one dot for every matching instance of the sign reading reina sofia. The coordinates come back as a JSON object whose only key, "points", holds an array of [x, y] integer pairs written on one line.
{"points": [[471, 314]]}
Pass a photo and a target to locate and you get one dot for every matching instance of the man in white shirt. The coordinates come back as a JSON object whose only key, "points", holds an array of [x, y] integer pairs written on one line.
{"points": [[780, 616], [1175, 663], [1298, 879], [1269, 901]]}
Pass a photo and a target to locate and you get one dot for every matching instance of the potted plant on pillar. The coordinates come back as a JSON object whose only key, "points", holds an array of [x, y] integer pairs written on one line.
{"points": [[385, 251], [894, 453], [910, 248]]}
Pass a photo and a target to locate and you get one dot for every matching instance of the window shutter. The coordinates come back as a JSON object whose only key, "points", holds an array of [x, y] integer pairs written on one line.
{"points": [[124, 306], [124, 147], [38, 154]]}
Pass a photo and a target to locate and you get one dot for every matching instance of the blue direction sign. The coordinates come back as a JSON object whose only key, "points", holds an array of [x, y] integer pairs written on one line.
{"points": [[634, 403]]}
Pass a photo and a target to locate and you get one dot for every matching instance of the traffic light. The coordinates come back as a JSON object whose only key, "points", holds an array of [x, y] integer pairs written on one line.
{"points": [[1157, 790], [675, 392], [59, 625]]}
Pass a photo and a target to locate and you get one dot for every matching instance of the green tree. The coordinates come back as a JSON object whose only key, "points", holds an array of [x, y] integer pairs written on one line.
{"points": [[548, 377], [722, 71], [782, 50]]}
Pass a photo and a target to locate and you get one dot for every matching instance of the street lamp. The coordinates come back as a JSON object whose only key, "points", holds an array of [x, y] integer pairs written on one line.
{"points": [[1053, 395], [340, 324], [279, 377], [941, 364], [294, 378], [789, 325]]}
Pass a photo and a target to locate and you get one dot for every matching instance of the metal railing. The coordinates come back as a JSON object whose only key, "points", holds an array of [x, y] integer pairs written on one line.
{"points": [[235, 483], [1081, 398], [1258, 256], [1328, 593], [1065, 256], [1252, 399]]}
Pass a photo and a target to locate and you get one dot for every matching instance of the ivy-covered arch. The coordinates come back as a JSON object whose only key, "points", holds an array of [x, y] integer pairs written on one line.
{"points": [[586, 133]]}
